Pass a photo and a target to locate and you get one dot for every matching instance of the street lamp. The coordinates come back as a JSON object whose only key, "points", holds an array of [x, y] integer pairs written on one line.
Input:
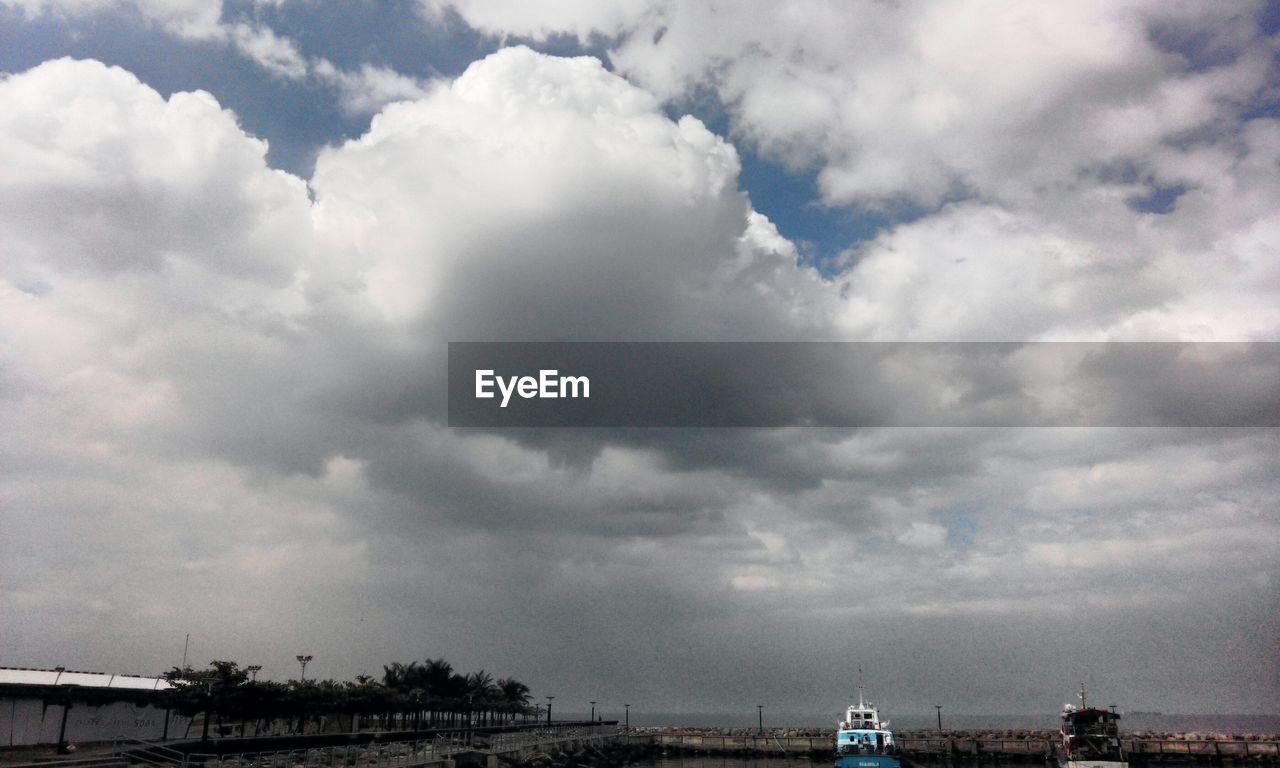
{"points": [[66, 708], [760, 713], [303, 661], [470, 721], [593, 711], [549, 698], [939, 708], [253, 670], [627, 708]]}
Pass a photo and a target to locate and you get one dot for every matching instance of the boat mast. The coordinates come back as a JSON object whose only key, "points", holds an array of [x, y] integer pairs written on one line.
{"points": [[1083, 704], [861, 703]]}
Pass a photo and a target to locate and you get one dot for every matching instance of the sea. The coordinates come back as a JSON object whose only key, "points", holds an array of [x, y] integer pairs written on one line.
{"points": [[1129, 722]]}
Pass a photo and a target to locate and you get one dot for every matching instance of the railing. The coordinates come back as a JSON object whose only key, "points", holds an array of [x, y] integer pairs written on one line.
{"points": [[507, 742], [397, 754], [152, 754], [400, 754]]}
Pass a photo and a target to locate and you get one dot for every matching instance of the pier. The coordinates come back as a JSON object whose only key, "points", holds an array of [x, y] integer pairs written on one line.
{"points": [[1140, 751]]}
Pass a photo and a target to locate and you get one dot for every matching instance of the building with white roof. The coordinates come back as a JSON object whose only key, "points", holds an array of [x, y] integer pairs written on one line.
{"points": [[46, 706]]}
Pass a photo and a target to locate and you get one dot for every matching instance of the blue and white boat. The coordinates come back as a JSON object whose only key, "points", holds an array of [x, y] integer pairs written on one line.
{"points": [[862, 740]]}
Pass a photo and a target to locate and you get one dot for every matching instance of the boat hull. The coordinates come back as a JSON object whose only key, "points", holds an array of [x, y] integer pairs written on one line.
{"points": [[867, 761]]}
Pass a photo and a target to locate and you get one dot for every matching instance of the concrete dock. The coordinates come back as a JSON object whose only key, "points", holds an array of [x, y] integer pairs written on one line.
{"points": [[1035, 749]]}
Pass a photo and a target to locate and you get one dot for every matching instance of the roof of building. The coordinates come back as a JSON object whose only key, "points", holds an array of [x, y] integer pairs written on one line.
{"points": [[27, 676]]}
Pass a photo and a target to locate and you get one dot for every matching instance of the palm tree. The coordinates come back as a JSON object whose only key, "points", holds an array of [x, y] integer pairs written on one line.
{"points": [[513, 695], [481, 693], [400, 677], [436, 677]]}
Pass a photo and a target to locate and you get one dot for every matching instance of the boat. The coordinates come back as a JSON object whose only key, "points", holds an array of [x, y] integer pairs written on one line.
{"points": [[1089, 737], [863, 740]]}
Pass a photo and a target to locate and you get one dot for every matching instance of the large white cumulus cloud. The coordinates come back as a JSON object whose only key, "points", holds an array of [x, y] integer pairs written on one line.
{"points": [[541, 198], [104, 175]]}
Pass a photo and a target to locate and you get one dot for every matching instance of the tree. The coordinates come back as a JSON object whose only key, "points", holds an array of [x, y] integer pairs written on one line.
{"points": [[514, 696]]}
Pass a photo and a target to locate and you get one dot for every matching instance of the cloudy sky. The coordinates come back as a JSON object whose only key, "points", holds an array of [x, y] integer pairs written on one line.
{"points": [[236, 237]]}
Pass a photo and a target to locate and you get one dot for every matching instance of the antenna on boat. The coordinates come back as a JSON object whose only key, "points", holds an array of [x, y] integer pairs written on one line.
{"points": [[861, 703], [1083, 705]]}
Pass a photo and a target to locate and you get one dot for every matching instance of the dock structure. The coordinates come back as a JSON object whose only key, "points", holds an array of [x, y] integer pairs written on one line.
{"points": [[963, 748]]}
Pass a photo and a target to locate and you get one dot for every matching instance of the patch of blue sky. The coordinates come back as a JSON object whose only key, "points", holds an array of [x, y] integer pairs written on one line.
{"points": [[1158, 199], [1269, 18], [389, 33], [569, 45], [962, 526]]}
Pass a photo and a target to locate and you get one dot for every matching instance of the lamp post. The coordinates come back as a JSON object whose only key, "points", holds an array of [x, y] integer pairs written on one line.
{"points": [[939, 708], [253, 670], [66, 708], [303, 661], [549, 698], [760, 713], [470, 721], [593, 711], [627, 727], [208, 708]]}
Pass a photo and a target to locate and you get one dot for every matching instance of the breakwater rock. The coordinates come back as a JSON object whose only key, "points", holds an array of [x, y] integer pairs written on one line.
{"points": [[1045, 733]]}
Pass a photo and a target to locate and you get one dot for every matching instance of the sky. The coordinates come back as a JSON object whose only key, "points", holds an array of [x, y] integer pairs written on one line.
{"points": [[237, 237]]}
